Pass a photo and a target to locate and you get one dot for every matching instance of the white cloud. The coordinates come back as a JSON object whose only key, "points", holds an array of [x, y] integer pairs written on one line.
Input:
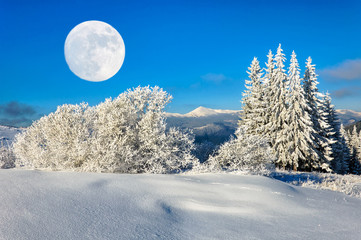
{"points": [[214, 77], [346, 92], [348, 70]]}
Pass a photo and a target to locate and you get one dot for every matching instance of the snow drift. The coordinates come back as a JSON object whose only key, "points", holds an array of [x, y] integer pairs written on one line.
{"points": [[72, 205]]}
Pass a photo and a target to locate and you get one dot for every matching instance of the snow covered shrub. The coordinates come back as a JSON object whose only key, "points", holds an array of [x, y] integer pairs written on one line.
{"points": [[130, 135], [348, 184], [60, 140], [7, 157], [246, 153], [126, 134]]}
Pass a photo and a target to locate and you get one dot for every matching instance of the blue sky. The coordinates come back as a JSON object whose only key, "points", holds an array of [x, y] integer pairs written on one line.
{"points": [[198, 51]]}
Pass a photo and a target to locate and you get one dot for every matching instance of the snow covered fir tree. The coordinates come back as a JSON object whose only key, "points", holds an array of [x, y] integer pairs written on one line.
{"points": [[299, 123], [353, 138]]}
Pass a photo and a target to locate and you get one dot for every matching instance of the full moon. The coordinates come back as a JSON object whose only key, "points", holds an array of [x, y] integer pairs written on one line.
{"points": [[94, 51]]}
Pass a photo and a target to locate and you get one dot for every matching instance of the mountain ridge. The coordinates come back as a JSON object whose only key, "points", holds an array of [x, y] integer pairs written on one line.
{"points": [[203, 111], [217, 125], [346, 116]]}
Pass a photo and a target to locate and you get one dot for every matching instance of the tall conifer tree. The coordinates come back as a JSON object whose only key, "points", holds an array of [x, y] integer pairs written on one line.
{"points": [[343, 163], [277, 125], [300, 146], [320, 142], [339, 149], [354, 145], [253, 115], [270, 66]]}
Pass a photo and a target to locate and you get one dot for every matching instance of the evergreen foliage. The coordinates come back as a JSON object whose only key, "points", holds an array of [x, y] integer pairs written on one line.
{"points": [[354, 142], [344, 162], [319, 135], [253, 115], [277, 112], [339, 147], [300, 131], [299, 123]]}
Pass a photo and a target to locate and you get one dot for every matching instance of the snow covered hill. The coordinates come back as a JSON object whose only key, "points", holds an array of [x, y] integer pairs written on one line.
{"points": [[70, 205]]}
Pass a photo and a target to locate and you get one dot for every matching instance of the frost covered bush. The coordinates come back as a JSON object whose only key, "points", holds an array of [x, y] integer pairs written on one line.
{"points": [[348, 184], [7, 157], [60, 140], [131, 135], [246, 153], [126, 134]]}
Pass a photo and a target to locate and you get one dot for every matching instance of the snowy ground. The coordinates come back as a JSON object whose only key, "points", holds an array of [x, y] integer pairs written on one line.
{"points": [[70, 205]]}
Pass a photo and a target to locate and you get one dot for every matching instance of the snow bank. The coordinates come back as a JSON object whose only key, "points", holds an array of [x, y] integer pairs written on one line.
{"points": [[70, 205]]}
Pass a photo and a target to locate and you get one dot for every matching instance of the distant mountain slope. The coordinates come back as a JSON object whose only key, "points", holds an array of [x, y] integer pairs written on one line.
{"points": [[348, 117], [351, 126], [211, 125], [216, 126], [8, 133]]}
